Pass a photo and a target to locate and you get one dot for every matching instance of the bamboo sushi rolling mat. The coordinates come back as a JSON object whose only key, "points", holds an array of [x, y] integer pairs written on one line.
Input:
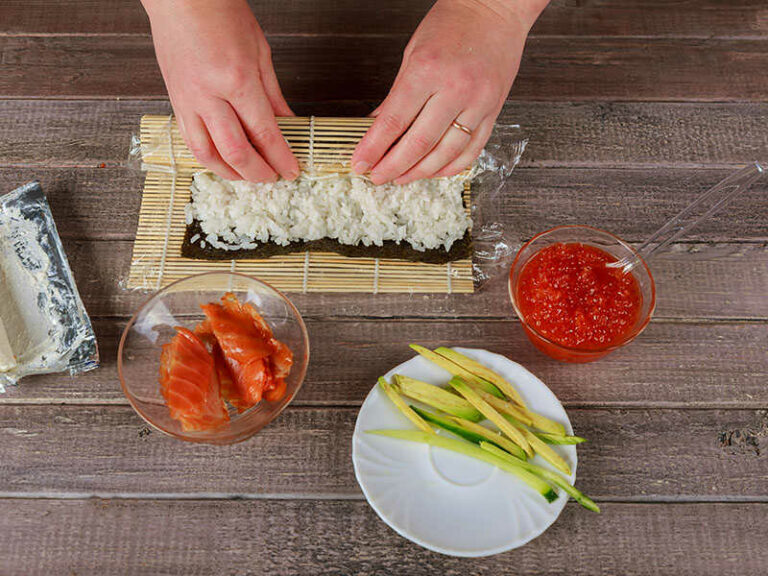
{"points": [[322, 145]]}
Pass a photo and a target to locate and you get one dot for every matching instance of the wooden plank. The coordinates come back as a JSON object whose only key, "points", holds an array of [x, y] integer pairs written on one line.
{"points": [[641, 135], [613, 18], [102, 203], [694, 281], [666, 19], [91, 132], [670, 365], [700, 4], [322, 68], [86, 133], [631, 203], [339, 537], [637, 455], [86, 202]]}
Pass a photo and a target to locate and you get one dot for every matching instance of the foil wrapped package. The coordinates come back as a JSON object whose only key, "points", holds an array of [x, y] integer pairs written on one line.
{"points": [[44, 327]]}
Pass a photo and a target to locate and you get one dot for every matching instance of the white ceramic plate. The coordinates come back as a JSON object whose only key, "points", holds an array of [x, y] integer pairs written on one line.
{"points": [[444, 501]]}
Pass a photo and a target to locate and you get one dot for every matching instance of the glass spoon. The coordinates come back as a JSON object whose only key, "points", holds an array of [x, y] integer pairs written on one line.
{"points": [[699, 210]]}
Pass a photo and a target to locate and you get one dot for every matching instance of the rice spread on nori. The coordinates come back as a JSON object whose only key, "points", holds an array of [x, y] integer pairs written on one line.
{"points": [[423, 221]]}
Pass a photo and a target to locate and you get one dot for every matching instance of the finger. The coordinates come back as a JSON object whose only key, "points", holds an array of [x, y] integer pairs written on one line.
{"points": [[272, 88], [233, 145], [260, 124], [464, 160], [395, 115], [200, 144], [426, 131], [452, 144]]}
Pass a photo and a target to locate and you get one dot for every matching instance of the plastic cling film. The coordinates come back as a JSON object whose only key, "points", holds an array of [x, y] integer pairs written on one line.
{"points": [[494, 246], [160, 147], [167, 207], [493, 252], [45, 328]]}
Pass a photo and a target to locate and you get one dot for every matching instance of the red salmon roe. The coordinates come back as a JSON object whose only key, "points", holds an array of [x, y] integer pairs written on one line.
{"points": [[568, 294]]}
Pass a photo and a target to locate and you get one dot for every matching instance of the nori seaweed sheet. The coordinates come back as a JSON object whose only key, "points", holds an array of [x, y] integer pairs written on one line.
{"points": [[460, 249]]}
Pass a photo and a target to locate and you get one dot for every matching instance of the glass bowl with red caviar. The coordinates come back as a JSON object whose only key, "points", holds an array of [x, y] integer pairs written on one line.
{"points": [[214, 357], [573, 306]]}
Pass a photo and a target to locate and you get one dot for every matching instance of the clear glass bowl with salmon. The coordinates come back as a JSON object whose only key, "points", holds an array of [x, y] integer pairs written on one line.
{"points": [[213, 357]]}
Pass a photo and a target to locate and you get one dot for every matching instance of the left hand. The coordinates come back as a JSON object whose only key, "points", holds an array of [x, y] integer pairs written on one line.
{"points": [[458, 66]]}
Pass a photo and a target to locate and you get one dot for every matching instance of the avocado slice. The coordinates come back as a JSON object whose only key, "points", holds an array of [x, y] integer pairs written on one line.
{"points": [[507, 464], [486, 374], [539, 446], [470, 431], [505, 407], [545, 474], [493, 436], [483, 372], [489, 412], [560, 439], [545, 424], [524, 415], [437, 397], [403, 407], [457, 370]]}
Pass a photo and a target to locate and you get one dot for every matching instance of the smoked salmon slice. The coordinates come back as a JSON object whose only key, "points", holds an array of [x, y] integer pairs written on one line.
{"points": [[226, 381], [244, 346], [189, 382]]}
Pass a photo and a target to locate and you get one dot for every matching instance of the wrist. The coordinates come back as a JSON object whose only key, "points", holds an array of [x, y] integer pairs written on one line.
{"points": [[512, 12], [159, 9]]}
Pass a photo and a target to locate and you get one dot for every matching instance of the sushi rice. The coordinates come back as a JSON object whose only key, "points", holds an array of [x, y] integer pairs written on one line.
{"points": [[234, 215]]}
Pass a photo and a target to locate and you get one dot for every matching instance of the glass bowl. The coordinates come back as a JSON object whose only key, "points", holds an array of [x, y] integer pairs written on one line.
{"points": [[178, 304], [591, 237]]}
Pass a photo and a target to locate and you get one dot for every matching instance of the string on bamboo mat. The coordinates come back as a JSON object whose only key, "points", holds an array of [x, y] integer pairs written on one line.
{"points": [[172, 159]]}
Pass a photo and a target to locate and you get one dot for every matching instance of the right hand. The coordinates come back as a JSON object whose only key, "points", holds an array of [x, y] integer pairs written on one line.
{"points": [[218, 70]]}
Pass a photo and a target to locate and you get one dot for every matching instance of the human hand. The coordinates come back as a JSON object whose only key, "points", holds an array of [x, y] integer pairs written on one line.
{"points": [[218, 70], [458, 66]]}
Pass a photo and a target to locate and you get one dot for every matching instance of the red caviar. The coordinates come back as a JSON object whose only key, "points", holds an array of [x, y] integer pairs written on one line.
{"points": [[568, 295]]}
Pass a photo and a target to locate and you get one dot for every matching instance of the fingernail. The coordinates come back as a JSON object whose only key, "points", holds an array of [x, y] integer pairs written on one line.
{"points": [[361, 167], [293, 174], [377, 179]]}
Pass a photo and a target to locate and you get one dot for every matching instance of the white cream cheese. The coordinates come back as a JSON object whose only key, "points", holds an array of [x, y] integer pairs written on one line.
{"points": [[43, 327], [32, 333], [7, 357]]}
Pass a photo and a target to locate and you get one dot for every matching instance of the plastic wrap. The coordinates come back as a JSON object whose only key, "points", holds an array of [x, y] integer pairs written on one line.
{"points": [[494, 246], [44, 327], [160, 150]]}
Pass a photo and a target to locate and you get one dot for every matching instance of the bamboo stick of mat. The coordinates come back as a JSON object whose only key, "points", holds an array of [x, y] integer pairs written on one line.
{"points": [[321, 145]]}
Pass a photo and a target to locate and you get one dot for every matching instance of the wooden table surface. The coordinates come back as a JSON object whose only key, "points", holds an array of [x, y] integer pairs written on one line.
{"points": [[632, 108]]}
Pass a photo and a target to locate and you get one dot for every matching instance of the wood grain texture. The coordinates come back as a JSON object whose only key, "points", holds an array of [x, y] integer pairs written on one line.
{"points": [[669, 365], [700, 4], [677, 422], [58, 133], [666, 19], [694, 281], [339, 537], [613, 18], [322, 68], [102, 203], [605, 135], [637, 455]]}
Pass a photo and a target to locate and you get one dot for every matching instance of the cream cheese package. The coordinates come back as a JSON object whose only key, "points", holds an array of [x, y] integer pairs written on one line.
{"points": [[44, 327]]}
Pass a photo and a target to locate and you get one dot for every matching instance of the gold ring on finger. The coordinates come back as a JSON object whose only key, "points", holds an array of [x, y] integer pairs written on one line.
{"points": [[461, 127]]}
